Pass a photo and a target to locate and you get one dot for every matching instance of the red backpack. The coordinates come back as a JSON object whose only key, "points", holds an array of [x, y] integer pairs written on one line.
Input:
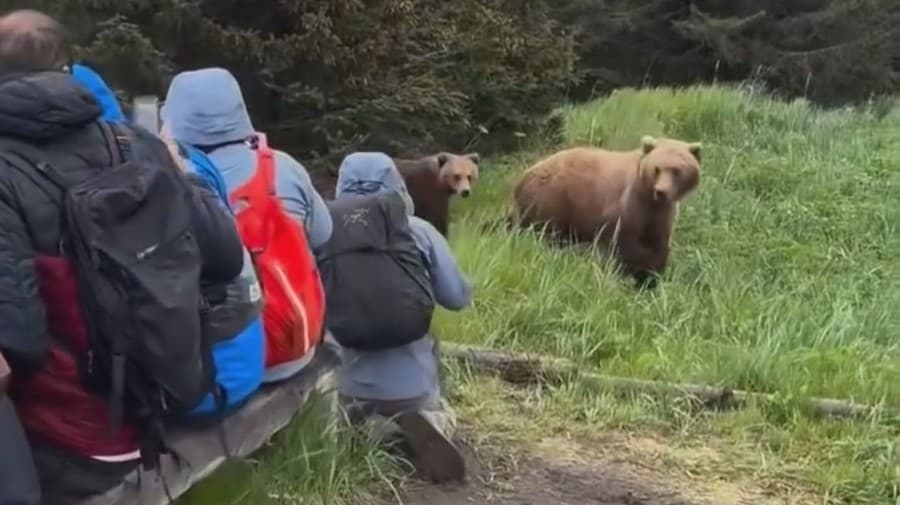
{"points": [[294, 299]]}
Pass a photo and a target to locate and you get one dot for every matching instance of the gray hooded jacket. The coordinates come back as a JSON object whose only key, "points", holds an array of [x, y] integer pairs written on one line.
{"points": [[407, 373]]}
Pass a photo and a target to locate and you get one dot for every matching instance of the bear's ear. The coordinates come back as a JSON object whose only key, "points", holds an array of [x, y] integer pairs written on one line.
{"points": [[474, 157], [694, 148], [648, 143], [442, 159]]}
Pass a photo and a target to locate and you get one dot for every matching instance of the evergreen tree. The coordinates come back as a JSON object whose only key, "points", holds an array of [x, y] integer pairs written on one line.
{"points": [[326, 77]]}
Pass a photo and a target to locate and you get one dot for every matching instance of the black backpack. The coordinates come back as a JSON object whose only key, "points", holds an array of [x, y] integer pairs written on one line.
{"points": [[127, 231], [376, 279]]}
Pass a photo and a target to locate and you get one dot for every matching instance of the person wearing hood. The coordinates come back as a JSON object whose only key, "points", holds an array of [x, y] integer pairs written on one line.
{"points": [[52, 116], [388, 379], [205, 109]]}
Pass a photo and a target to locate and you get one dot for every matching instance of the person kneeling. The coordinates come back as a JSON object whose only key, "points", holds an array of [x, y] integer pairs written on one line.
{"points": [[383, 270]]}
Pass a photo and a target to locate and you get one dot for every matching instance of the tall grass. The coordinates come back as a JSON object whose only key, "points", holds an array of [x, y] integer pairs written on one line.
{"points": [[317, 460], [784, 276]]}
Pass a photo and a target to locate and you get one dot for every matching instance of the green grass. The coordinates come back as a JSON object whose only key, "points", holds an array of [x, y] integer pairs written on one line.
{"points": [[784, 278], [317, 460]]}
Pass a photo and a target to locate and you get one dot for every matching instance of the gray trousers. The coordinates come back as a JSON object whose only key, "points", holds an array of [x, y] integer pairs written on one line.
{"points": [[18, 478], [377, 415]]}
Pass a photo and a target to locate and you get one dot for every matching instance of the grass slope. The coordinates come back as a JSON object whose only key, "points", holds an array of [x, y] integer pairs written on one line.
{"points": [[784, 278]]}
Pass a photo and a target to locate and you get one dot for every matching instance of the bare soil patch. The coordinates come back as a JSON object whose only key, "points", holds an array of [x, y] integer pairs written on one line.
{"points": [[562, 472]]}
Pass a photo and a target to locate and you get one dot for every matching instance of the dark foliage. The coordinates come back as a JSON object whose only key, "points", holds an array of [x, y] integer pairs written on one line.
{"points": [[831, 51], [325, 77]]}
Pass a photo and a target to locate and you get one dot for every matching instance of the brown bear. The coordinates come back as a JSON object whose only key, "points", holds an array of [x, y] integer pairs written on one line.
{"points": [[626, 199], [432, 180]]}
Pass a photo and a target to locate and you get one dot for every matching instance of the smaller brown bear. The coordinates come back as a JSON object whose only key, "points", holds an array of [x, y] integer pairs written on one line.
{"points": [[432, 180], [627, 199]]}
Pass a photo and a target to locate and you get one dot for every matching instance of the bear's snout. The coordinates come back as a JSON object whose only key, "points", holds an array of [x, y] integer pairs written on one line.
{"points": [[465, 193]]}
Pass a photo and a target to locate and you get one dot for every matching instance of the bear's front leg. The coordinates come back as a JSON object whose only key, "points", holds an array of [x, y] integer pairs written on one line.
{"points": [[442, 219], [644, 257]]}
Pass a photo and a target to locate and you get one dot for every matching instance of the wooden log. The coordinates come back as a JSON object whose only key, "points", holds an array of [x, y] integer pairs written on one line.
{"points": [[270, 410], [523, 369]]}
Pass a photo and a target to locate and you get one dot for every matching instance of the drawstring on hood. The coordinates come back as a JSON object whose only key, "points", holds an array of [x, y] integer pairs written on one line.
{"points": [[205, 107], [367, 173]]}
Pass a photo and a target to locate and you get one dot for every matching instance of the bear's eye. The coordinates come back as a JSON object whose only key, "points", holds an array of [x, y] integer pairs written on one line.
{"points": [[656, 171], [676, 172], [457, 177]]}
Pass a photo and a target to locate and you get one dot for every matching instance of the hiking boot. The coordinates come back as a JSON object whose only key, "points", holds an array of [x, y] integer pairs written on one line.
{"points": [[435, 455]]}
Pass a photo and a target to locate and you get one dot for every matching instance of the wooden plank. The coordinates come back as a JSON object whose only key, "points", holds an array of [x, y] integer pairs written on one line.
{"points": [[517, 368], [270, 410]]}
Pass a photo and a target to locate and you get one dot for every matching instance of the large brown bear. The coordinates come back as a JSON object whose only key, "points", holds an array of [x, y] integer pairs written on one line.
{"points": [[627, 199], [432, 180]]}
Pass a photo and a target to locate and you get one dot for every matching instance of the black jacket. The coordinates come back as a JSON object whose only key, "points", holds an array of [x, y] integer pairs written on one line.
{"points": [[52, 112]]}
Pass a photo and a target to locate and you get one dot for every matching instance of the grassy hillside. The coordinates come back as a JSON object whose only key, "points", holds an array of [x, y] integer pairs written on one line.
{"points": [[784, 278]]}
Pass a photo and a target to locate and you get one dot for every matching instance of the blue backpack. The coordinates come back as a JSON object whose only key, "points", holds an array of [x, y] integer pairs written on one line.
{"points": [[240, 358]]}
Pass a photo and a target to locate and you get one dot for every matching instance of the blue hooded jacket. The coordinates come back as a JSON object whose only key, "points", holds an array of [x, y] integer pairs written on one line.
{"points": [[410, 372], [97, 86], [206, 108]]}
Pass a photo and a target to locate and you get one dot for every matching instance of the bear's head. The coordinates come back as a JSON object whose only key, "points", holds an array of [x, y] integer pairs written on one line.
{"points": [[670, 168], [458, 173]]}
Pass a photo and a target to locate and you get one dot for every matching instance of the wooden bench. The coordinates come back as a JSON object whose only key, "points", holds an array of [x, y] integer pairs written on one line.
{"points": [[270, 410]]}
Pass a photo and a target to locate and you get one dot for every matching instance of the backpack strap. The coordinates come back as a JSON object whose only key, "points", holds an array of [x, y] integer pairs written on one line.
{"points": [[33, 158], [29, 160], [119, 141], [265, 162], [262, 183]]}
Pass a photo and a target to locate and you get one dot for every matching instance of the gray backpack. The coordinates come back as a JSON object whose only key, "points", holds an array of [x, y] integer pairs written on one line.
{"points": [[376, 280]]}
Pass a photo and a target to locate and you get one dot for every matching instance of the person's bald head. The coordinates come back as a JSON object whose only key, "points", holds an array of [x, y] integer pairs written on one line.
{"points": [[31, 40]]}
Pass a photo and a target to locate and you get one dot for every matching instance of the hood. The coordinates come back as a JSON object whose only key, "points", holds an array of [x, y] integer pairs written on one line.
{"points": [[205, 107], [369, 173], [44, 105], [104, 95]]}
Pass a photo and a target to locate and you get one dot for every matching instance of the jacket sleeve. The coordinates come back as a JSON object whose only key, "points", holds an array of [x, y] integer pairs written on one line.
{"points": [[23, 332], [451, 288], [301, 200], [216, 232]]}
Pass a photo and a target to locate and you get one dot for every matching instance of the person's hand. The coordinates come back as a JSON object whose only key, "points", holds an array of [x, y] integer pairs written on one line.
{"points": [[5, 375]]}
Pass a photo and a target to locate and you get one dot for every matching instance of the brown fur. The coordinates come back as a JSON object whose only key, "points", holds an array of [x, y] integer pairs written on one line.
{"points": [[626, 198], [431, 181]]}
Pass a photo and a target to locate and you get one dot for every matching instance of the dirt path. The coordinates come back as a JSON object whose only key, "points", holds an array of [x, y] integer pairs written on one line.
{"points": [[540, 482], [558, 474]]}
